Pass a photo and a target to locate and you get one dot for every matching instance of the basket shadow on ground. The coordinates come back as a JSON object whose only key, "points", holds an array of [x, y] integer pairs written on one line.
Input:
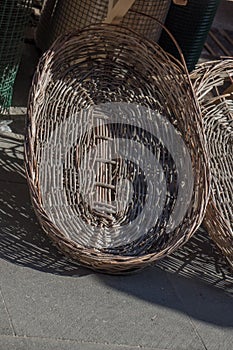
{"points": [[198, 265], [22, 241], [197, 275]]}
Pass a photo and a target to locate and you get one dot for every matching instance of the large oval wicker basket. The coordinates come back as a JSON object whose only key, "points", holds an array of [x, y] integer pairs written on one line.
{"points": [[213, 82], [114, 149]]}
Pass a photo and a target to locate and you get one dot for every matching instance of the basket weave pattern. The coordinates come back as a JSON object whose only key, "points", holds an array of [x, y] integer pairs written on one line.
{"points": [[211, 81], [111, 149]]}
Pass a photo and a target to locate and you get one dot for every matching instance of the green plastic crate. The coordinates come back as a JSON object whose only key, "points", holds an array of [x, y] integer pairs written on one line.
{"points": [[189, 25]]}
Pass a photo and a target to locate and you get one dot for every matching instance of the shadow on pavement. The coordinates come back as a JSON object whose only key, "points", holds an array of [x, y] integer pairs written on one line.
{"points": [[189, 296], [23, 242], [200, 259]]}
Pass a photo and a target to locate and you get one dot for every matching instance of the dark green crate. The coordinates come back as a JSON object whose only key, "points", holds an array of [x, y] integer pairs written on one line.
{"points": [[189, 25]]}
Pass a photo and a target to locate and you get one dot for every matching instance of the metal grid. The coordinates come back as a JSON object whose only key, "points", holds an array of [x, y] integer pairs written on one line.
{"points": [[13, 19], [62, 16]]}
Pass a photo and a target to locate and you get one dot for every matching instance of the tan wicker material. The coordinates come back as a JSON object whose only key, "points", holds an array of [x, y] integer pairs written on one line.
{"points": [[62, 16], [212, 81], [114, 151], [180, 2]]}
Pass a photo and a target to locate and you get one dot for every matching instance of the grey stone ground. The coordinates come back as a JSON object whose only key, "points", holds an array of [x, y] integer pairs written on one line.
{"points": [[48, 302]]}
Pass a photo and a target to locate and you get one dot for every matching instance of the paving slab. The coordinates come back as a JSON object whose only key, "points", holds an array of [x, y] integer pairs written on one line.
{"points": [[5, 323], [22, 343], [210, 311], [93, 309]]}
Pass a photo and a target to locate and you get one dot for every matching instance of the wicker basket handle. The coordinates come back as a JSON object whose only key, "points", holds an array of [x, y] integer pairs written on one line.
{"points": [[117, 12], [170, 35]]}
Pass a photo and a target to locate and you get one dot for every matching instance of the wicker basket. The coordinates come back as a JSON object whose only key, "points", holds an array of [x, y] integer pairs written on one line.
{"points": [[211, 80], [62, 16], [111, 149], [14, 15]]}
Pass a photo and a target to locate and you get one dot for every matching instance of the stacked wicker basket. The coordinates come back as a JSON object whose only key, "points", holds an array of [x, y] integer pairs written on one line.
{"points": [[111, 149], [115, 152], [213, 83]]}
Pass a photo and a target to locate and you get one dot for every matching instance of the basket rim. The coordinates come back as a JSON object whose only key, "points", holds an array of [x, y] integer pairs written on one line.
{"points": [[208, 76], [93, 255]]}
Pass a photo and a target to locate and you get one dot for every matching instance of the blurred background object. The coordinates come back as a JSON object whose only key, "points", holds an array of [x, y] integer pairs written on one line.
{"points": [[14, 17], [61, 16], [190, 26]]}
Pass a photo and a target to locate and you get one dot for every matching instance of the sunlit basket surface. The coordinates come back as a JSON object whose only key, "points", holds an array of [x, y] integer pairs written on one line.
{"points": [[60, 17], [213, 83], [115, 156]]}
